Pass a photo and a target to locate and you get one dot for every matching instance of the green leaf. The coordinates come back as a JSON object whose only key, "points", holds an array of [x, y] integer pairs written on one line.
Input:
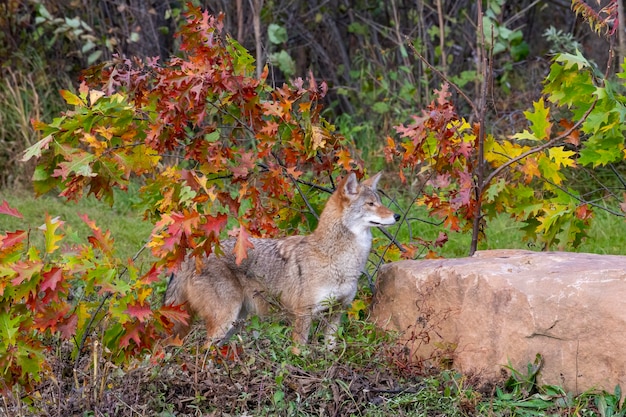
{"points": [[380, 107], [539, 120], [550, 170], [284, 62], [35, 150], [79, 165], [358, 28], [569, 60], [277, 34], [93, 57], [30, 359], [561, 156], [8, 329], [494, 190], [242, 60]]}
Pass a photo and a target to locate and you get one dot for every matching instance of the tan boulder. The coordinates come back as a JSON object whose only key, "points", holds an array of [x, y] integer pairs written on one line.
{"points": [[502, 307]]}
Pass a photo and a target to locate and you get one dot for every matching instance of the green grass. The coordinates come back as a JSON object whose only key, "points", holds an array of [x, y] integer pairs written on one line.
{"points": [[127, 227], [606, 235]]}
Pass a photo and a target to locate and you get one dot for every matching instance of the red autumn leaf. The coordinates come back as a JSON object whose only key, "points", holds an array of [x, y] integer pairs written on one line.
{"points": [[344, 158], [409, 252], [441, 240], [530, 168], [25, 271], [12, 238], [49, 318], [465, 149], [139, 311], [51, 279], [214, 224], [574, 137], [174, 313], [98, 239], [131, 332], [6, 209], [68, 327], [466, 186], [443, 94], [269, 128], [244, 165], [153, 275], [584, 212], [227, 353], [188, 221]]}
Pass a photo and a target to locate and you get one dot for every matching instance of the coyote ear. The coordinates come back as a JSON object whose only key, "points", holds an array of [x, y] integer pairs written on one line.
{"points": [[350, 185], [373, 181]]}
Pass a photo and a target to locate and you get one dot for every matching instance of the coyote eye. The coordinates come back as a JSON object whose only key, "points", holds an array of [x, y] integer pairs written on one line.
{"points": [[370, 203]]}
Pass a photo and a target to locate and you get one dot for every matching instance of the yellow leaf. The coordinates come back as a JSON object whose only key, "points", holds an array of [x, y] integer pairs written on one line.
{"points": [[98, 146], [95, 95], [71, 98], [356, 308], [561, 156], [318, 137], [51, 238]]}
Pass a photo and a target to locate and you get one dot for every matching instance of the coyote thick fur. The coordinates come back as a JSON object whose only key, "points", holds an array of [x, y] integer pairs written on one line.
{"points": [[305, 276]]}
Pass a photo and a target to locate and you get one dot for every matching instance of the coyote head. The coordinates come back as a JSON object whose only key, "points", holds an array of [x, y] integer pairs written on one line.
{"points": [[358, 205]]}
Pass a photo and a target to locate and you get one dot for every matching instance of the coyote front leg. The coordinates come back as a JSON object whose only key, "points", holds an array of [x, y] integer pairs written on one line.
{"points": [[330, 331], [301, 330]]}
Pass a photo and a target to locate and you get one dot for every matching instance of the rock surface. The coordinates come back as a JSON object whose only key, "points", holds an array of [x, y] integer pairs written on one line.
{"points": [[502, 307]]}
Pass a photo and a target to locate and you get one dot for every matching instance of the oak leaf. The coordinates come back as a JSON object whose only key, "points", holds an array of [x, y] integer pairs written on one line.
{"points": [[6, 209], [139, 311], [242, 245]]}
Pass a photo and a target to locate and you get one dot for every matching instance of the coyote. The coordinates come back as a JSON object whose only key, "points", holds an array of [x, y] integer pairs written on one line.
{"points": [[304, 275]]}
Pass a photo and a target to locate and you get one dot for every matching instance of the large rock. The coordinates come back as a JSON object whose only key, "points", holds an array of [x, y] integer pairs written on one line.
{"points": [[502, 307]]}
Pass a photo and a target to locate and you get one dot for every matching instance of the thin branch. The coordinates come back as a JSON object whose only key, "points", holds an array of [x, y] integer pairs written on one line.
{"points": [[618, 175], [443, 77], [583, 201]]}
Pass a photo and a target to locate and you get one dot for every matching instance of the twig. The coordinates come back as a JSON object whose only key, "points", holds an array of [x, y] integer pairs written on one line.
{"points": [[618, 175], [443, 77], [583, 201]]}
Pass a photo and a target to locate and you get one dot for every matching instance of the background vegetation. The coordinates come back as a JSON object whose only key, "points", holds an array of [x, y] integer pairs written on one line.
{"points": [[497, 119]]}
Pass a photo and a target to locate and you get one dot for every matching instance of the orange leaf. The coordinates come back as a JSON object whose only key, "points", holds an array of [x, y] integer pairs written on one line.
{"points": [[243, 244], [530, 169]]}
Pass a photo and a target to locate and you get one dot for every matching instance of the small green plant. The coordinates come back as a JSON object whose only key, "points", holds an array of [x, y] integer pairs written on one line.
{"points": [[561, 41], [281, 59], [74, 29]]}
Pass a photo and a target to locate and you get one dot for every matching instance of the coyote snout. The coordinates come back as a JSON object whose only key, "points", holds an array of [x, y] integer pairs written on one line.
{"points": [[304, 275]]}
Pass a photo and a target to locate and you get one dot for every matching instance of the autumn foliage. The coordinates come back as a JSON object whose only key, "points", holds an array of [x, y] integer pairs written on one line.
{"points": [[577, 123], [215, 148], [220, 152]]}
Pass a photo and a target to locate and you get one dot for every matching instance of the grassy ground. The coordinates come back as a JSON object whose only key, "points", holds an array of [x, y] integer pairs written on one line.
{"points": [[369, 375], [606, 235], [126, 225]]}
